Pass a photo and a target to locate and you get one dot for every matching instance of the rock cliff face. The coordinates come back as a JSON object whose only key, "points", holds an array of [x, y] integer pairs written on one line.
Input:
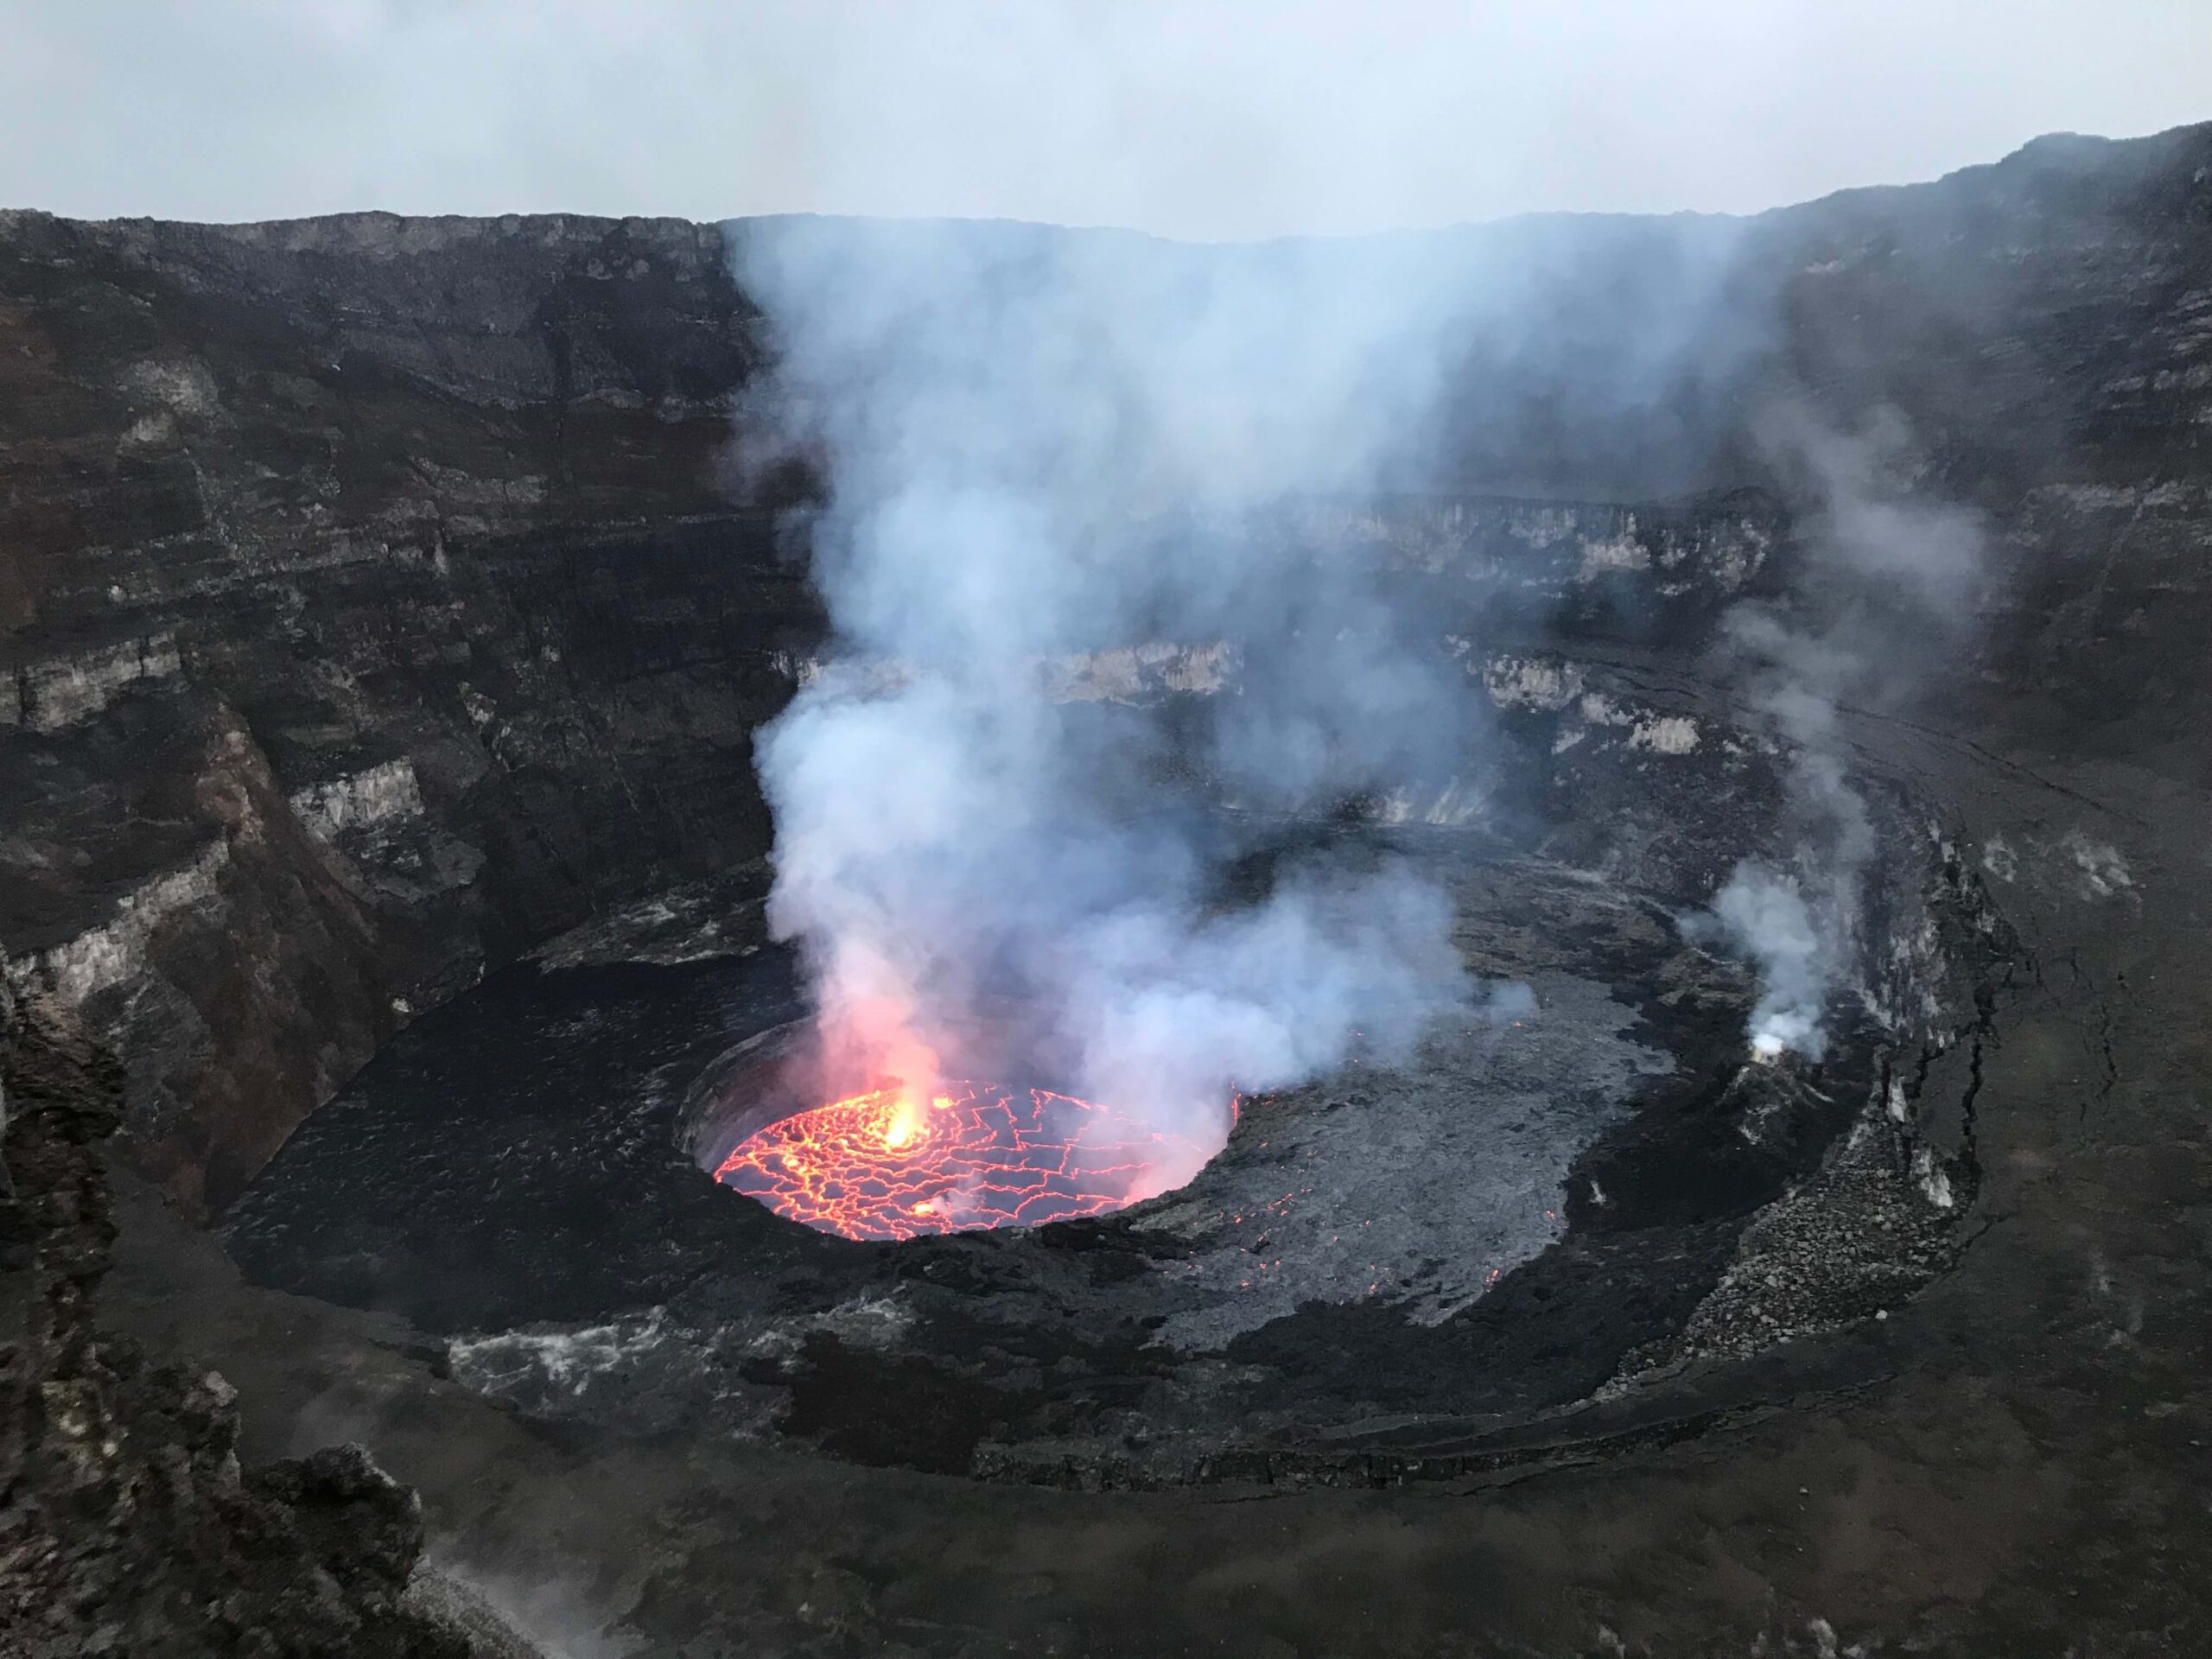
{"points": [[371, 612], [128, 1526], [375, 607]]}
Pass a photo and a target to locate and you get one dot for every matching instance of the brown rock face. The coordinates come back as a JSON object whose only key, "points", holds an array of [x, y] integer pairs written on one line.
{"points": [[374, 607], [126, 1525], [370, 613]]}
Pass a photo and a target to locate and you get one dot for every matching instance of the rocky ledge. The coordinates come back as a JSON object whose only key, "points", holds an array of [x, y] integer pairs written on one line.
{"points": [[127, 1525]]}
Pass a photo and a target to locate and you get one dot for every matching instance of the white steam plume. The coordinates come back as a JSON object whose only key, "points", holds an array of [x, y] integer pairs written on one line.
{"points": [[1042, 443], [1889, 579]]}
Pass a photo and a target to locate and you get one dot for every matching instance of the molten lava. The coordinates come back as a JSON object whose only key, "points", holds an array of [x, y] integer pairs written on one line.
{"points": [[888, 1165]]}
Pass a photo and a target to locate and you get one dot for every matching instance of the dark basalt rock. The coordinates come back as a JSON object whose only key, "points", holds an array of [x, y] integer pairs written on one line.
{"points": [[523, 1173], [372, 593], [373, 611], [126, 1524]]}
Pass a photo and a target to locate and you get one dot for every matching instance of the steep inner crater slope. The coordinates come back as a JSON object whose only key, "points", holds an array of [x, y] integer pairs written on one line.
{"points": [[378, 613]]}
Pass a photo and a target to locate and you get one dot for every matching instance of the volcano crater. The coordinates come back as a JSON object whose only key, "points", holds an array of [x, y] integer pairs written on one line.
{"points": [[1422, 1267]]}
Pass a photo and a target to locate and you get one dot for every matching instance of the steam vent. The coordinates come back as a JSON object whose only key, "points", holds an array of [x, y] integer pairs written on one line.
{"points": [[834, 936]]}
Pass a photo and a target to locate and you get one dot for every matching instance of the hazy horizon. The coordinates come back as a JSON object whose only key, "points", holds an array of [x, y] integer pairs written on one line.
{"points": [[1232, 121]]}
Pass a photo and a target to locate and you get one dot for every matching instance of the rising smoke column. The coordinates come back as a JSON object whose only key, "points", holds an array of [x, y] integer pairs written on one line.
{"points": [[1039, 443], [1887, 587]]}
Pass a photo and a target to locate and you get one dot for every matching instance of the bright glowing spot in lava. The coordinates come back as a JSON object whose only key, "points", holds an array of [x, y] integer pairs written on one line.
{"points": [[883, 1165]]}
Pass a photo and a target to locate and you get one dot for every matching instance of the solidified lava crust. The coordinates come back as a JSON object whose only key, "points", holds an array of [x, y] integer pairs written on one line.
{"points": [[1382, 1272]]}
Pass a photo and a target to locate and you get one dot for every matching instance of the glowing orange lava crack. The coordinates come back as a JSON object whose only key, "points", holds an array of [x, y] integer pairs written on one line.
{"points": [[885, 1166]]}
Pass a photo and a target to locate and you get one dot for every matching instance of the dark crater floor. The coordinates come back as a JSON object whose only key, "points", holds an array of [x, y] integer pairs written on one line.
{"points": [[1390, 1271]]}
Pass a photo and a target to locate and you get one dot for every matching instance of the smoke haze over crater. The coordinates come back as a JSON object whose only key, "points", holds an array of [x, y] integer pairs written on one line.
{"points": [[1888, 589], [1043, 444]]}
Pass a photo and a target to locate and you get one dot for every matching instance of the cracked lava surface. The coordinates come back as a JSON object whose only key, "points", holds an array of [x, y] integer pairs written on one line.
{"points": [[883, 1165]]}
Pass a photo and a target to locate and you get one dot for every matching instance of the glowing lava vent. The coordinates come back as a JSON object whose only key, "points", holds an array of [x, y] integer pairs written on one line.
{"points": [[883, 1165]]}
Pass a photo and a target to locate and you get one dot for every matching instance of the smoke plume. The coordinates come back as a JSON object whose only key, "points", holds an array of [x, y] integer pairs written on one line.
{"points": [[1886, 588], [1039, 444]]}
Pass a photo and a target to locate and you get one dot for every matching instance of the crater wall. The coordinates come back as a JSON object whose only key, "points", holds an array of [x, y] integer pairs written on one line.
{"points": [[375, 605]]}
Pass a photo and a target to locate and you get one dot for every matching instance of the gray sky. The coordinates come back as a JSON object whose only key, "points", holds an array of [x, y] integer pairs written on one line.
{"points": [[1209, 119]]}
